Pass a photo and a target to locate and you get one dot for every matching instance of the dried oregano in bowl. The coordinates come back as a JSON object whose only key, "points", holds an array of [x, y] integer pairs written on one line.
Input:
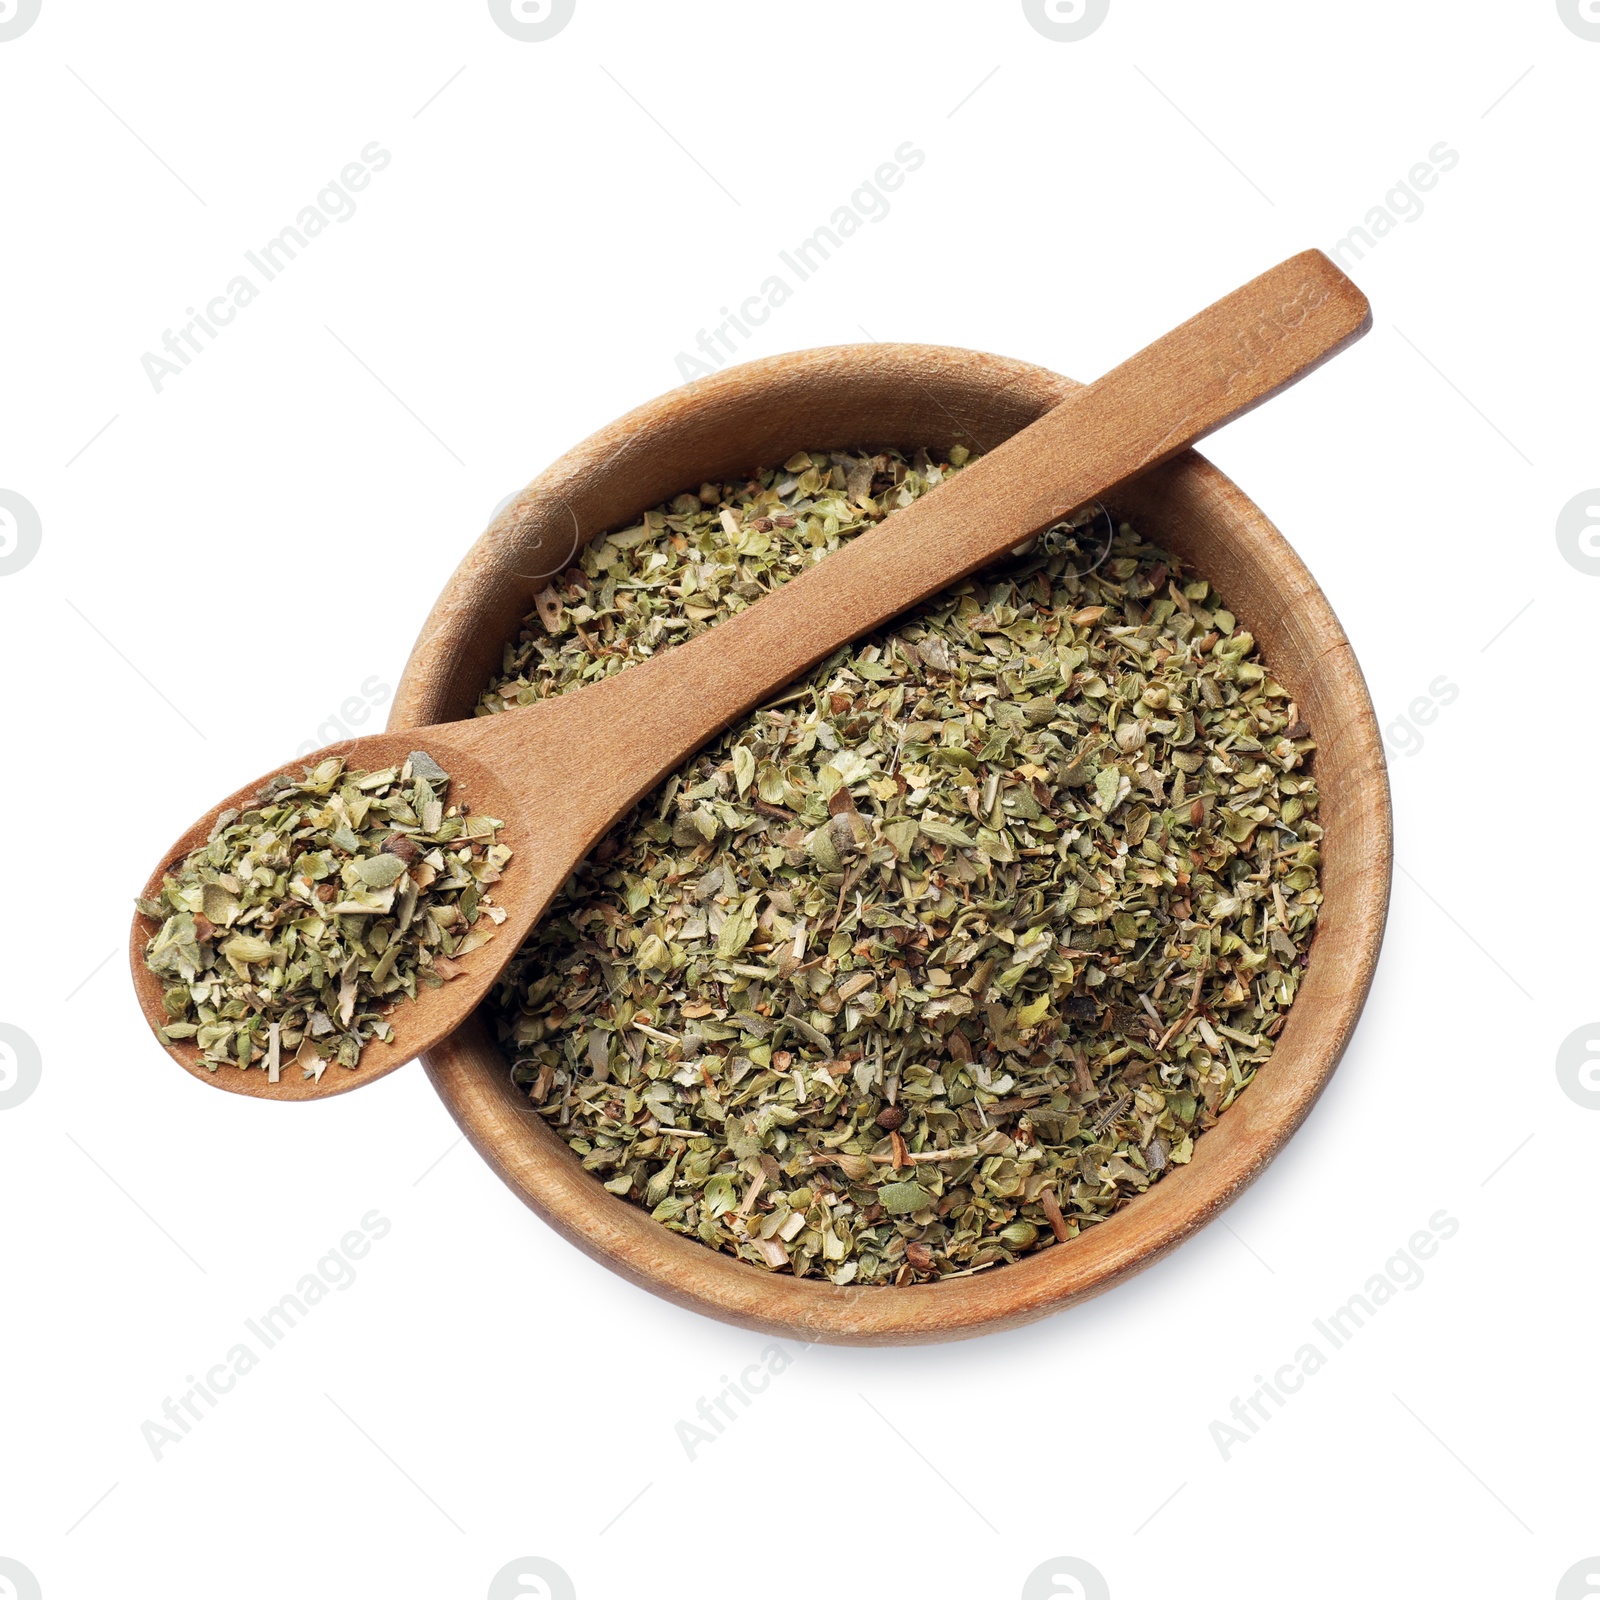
{"points": [[955, 946]]}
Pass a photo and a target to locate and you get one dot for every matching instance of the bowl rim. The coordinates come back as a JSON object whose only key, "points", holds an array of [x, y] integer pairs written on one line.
{"points": [[537, 1165]]}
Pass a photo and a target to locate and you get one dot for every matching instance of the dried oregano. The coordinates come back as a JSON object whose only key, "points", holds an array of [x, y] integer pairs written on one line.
{"points": [[953, 947], [287, 937]]}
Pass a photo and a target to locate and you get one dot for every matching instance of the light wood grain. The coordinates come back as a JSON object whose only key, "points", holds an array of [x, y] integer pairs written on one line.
{"points": [[562, 771], [905, 397]]}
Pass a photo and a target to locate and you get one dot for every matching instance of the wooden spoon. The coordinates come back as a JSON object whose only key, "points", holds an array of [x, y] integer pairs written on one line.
{"points": [[578, 762]]}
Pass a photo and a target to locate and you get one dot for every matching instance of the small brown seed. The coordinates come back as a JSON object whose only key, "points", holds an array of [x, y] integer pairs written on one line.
{"points": [[890, 1118]]}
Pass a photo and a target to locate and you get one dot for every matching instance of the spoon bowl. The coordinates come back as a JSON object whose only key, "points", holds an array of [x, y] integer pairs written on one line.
{"points": [[435, 1012], [580, 761]]}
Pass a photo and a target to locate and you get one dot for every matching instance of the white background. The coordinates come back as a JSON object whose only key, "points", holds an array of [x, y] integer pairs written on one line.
{"points": [[558, 221]]}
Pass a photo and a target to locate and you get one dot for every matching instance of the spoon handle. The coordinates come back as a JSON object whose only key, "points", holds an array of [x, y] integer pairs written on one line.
{"points": [[1224, 362]]}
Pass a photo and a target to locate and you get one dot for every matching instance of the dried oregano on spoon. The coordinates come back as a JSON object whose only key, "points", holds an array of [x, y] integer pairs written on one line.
{"points": [[288, 936], [955, 946]]}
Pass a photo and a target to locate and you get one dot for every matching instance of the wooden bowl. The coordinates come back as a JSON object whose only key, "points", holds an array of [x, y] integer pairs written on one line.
{"points": [[907, 396]]}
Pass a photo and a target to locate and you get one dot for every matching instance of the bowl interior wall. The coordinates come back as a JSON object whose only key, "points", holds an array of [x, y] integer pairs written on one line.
{"points": [[908, 397]]}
